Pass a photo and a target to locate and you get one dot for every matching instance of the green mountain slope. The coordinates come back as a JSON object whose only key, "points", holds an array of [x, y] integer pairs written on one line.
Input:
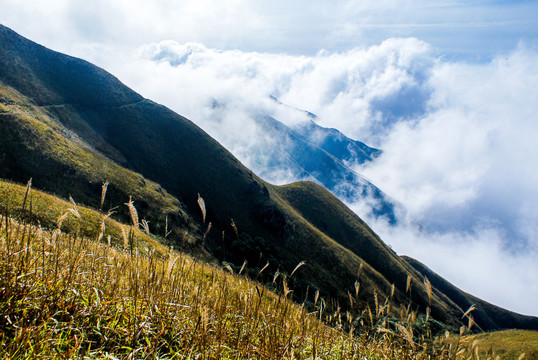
{"points": [[384, 267], [71, 126], [69, 294], [35, 145]]}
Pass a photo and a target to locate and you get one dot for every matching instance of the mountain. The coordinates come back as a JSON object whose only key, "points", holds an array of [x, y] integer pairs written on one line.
{"points": [[331, 140], [291, 146], [312, 152], [70, 126]]}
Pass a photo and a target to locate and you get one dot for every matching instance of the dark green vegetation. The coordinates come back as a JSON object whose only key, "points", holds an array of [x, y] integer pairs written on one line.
{"points": [[34, 145], [71, 126]]}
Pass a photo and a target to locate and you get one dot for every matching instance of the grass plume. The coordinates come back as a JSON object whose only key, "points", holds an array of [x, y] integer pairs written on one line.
{"points": [[104, 188], [133, 213], [201, 204]]}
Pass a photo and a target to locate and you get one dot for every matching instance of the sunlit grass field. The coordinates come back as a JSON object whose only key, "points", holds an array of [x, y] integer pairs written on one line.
{"points": [[76, 284]]}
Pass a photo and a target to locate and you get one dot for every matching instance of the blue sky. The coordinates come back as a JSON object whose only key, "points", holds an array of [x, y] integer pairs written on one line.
{"points": [[447, 89], [475, 30]]}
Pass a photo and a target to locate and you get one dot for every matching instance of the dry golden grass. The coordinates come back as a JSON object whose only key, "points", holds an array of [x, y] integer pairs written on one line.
{"points": [[70, 295], [64, 296], [507, 344]]}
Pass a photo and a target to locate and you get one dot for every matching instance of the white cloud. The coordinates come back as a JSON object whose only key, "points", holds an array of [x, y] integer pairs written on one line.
{"points": [[473, 152], [467, 170], [438, 160], [346, 90]]}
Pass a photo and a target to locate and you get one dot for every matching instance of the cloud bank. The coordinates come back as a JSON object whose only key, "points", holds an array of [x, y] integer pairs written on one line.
{"points": [[458, 140]]}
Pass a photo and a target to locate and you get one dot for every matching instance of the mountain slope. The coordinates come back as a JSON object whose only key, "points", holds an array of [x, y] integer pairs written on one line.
{"points": [[283, 144], [334, 219], [110, 124], [331, 140], [34, 145], [67, 295]]}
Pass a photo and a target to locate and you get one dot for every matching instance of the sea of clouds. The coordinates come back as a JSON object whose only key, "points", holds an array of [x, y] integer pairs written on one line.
{"points": [[458, 139]]}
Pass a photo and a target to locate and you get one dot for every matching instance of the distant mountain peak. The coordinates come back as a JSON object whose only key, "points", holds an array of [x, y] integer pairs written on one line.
{"points": [[307, 113]]}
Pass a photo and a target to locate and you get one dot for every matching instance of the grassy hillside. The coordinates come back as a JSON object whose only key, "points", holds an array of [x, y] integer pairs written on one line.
{"points": [[508, 344], [35, 145], [68, 296], [71, 127], [31, 206], [69, 293], [333, 218]]}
